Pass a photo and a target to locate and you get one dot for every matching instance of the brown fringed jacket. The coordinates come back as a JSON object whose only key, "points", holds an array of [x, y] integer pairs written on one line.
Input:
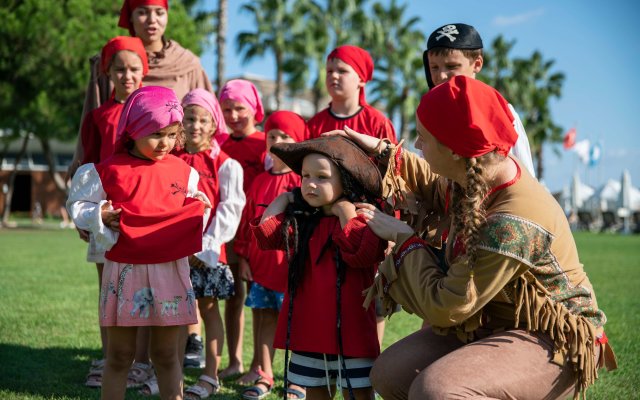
{"points": [[527, 270]]}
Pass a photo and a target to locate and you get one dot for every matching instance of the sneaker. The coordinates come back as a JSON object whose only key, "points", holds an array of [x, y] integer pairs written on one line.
{"points": [[193, 354]]}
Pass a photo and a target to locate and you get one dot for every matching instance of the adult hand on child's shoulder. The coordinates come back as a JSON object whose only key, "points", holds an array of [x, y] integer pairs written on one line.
{"points": [[384, 226], [110, 217]]}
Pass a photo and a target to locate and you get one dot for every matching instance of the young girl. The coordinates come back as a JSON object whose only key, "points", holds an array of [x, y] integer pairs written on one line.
{"points": [[143, 207], [332, 336], [266, 270], [242, 109], [124, 61], [221, 181]]}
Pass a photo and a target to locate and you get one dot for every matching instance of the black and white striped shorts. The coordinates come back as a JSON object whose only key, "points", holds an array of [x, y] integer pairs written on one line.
{"points": [[311, 370]]}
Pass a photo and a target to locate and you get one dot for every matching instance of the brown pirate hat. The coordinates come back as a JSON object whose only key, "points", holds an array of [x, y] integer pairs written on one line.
{"points": [[342, 151]]}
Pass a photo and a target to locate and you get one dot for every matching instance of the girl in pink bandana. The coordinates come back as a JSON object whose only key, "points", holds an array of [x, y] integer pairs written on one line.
{"points": [[143, 207]]}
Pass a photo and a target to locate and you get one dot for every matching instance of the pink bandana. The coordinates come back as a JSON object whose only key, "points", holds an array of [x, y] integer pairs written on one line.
{"points": [[208, 101], [146, 111], [246, 93]]}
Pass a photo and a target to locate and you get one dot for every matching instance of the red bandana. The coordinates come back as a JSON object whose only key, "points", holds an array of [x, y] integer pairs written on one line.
{"points": [[288, 122], [469, 117], [129, 5], [120, 43], [359, 60]]}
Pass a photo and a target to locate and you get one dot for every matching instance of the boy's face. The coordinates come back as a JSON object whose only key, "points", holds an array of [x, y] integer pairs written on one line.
{"points": [[149, 23], [342, 81], [199, 126], [126, 73], [277, 136], [321, 181], [445, 66], [157, 145]]}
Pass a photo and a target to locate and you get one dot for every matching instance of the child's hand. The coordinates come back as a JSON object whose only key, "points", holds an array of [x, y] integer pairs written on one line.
{"points": [[344, 207], [244, 270], [84, 235], [110, 217], [203, 198], [195, 262]]}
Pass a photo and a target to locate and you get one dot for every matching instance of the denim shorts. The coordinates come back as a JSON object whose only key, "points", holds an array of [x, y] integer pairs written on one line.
{"points": [[262, 297]]}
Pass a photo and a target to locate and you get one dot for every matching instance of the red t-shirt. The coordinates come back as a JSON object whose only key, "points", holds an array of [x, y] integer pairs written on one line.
{"points": [[268, 267], [98, 133], [250, 152], [158, 223], [313, 324], [368, 121]]}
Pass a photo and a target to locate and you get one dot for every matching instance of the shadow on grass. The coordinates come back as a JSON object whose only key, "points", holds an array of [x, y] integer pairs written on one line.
{"points": [[47, 372]]}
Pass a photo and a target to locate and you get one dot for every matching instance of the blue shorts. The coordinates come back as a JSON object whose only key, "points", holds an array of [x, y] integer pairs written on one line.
{"points": [[262, 297]]}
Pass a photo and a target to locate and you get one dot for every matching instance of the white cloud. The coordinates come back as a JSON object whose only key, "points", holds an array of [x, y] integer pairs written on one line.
{"points": [[502, 20]]}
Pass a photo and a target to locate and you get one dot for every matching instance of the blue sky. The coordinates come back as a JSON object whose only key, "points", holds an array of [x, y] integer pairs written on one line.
{"points": [[595, 43]]}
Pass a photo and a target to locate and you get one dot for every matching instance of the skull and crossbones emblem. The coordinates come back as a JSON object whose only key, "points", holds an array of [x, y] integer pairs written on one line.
{"points": [[172, 105], [448, 31]]}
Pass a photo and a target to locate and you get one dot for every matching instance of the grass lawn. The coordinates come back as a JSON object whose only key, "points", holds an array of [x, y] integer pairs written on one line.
{"points": [[49, 329]]}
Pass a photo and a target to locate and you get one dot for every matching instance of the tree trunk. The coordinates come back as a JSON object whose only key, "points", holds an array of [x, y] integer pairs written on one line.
{"points": [[539, 165], [51, 163], [221, 42], [5, 150], [279, 80], [12, 178]]}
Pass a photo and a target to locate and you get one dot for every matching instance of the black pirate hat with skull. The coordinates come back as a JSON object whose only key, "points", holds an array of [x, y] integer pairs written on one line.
{"points": [[451, 36]]}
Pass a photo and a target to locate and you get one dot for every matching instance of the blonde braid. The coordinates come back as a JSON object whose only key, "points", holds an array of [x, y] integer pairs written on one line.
{"points": [[469, 216]]}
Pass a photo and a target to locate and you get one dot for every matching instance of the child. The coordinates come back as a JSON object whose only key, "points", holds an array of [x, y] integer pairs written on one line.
{"points": [[456, 49], [143, 207], [267, 270], [221, 181], [349, 68], [242, 110], [332, 336], [124, 61]]}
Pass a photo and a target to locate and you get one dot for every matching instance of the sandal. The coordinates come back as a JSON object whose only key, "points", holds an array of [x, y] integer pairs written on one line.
{"points": [[250, 377], [264, 381], [139, 373], [300, 395], [150, 387], [94, 377], [200, 391]]}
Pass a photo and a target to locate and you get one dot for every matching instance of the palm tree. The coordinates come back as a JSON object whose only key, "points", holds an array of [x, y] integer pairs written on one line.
{"points": [[397, 50], [274, 24], [221, 42]]}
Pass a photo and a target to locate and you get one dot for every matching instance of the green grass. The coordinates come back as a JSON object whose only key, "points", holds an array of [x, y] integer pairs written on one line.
{"points": [[49, 329]]}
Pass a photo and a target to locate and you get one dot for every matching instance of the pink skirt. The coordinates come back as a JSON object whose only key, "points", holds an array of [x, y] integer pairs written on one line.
{"points": [[147, 294]]}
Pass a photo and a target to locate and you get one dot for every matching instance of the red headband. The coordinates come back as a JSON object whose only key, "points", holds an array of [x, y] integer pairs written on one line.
{"points": [[288, 122], [120, 43], [469, 117], [359, 60], [129, 5]]}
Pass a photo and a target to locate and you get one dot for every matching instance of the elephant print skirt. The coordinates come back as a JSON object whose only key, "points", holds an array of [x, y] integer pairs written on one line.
{"points": [[147, 294]]}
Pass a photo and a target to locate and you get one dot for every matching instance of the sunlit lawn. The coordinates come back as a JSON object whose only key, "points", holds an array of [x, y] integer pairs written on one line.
{"points": [[49, 330]]}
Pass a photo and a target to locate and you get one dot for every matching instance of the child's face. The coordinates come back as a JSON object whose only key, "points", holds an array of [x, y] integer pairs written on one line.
{"points": [[238, 116], [199, 126], [149, 23], [126, 73], [277, 136], [342, 81], [445, 66], [321, 181], [157, 145]]}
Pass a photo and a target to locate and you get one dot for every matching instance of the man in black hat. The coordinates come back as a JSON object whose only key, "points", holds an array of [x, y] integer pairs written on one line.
{"points": [[456, 49]]}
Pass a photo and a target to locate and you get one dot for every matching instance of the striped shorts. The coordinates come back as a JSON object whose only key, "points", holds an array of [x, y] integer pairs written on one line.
{"points": [[314, 369]]}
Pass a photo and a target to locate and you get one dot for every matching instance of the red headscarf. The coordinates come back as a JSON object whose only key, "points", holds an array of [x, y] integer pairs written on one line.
{"points": [[359, 59], [288, 122], [120, 43], [129, 5], [469, 117]]}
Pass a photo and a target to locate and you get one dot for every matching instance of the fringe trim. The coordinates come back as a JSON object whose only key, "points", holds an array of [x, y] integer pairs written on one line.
{"points": [[574, 337]]}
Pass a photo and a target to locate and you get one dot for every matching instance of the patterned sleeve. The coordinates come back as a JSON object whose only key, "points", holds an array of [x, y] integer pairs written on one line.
{"points": [[86, 198], [228, 211]]}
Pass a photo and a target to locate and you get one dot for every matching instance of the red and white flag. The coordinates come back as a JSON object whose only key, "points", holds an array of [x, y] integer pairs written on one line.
{"points": [[569, 139]]}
